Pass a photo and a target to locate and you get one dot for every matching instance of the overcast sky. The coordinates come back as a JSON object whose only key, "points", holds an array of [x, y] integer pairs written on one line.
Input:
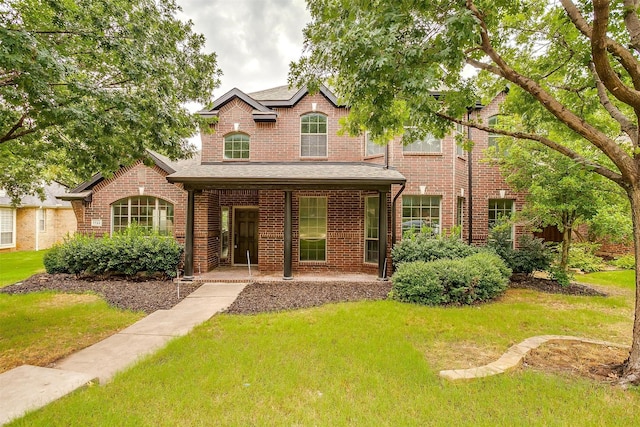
{"points": [[255, 40]]}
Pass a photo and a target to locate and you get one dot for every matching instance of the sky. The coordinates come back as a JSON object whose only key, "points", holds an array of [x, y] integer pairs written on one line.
{"points": [[255, 40]]}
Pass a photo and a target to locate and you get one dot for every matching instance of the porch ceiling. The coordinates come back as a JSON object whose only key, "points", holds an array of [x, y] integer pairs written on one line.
{"points": [[292, 175]]}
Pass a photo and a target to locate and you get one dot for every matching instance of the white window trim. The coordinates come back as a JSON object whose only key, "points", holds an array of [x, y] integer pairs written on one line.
{"points": [[513, 210], [368, 143], [13, 231], [439, 197], [155, 220], [432, 153], [325, 134], [326, 237], [224, 148], [367, 239]]}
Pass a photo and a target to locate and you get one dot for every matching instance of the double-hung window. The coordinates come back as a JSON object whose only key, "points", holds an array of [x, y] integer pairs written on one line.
{"points": [[500, 209], [371, 148], [7, 227], [313, 228], [313, 135], [428, 144]]}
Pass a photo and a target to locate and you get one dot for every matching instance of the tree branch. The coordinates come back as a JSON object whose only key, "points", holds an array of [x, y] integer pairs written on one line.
{"points": [[632, 23], [617, 155], [623, 55], [626, 125], [596, 167]]}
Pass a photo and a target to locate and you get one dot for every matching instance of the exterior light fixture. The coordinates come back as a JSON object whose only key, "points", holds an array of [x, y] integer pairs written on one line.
{"points": [[503, 193], [236, 126], [141, 190], [314, 106], [423, 189]]}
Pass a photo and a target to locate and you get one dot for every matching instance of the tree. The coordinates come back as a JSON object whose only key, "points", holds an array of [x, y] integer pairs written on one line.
{"points": [[558, 191], [571, 68], [87, 85]]}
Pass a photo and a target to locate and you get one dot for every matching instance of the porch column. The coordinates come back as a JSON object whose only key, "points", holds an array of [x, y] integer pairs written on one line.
{"points": [[287, 236], [188, 243], [382, 235]]}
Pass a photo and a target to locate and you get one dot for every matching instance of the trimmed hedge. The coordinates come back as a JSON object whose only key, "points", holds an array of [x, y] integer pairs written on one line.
{"points": [[479, 277], [424, 247], [129, 252]]}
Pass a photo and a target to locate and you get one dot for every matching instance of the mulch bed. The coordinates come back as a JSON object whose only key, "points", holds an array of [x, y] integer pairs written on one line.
{"points": [[136, 295], [279, 296], [552, 287]]}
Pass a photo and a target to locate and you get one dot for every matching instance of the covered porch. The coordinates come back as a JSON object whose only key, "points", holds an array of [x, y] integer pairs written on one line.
{"points": [[281, 186]]}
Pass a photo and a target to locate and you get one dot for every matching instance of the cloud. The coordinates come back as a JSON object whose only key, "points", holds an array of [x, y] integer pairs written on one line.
{"points": [[255, 40]]}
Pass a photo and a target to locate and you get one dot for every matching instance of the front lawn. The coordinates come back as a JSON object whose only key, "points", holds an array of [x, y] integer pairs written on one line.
{"points": [[366, 363], [40, 328], [15, 266]]}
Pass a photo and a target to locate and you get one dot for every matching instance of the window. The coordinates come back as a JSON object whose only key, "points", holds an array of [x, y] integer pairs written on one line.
{"points": [[7, 228], [371, 148], [428, 144], [313, 228], [371, 208], [42, 219], [493, 137], [236, 146], [460, 213], [498, 209], [150, 213], [460, 135], [224, 232], [313, 135], [419, 212]]}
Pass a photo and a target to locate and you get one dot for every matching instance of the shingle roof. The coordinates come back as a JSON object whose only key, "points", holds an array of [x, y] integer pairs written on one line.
{"points": [[280, 93], [276, 174], [50, 192]]}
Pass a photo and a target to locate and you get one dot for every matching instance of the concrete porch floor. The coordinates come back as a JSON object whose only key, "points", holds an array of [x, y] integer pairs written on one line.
{"points": [[241, 275]]}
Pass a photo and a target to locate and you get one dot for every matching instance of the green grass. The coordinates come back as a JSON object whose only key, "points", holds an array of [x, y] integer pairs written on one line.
{"points": [[16, 266], [622, 278], [367, 363], [40, 328]]}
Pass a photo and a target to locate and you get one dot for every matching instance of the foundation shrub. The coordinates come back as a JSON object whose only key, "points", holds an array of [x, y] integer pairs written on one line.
{"points": [[130, 252], [582, 256], [426, 247], [532, 254], [479, 277], [625, 262]]}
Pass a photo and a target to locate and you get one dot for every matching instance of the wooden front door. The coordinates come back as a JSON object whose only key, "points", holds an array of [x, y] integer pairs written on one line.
{"points": [[245, 236]]}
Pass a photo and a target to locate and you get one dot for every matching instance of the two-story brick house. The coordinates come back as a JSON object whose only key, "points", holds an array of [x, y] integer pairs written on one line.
{"points": [[276, 186]]}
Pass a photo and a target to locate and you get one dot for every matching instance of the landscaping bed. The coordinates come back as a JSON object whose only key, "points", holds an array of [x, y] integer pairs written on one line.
{"points": [[136, 295]]}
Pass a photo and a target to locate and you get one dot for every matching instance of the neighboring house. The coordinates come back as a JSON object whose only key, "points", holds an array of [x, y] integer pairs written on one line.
{"points": [[35, 224], [278, 188]]}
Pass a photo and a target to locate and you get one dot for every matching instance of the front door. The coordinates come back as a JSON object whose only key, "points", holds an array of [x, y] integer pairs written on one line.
{"points": [[245, 236]]}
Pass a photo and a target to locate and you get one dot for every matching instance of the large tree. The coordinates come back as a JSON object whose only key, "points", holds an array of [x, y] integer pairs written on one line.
{"points": [[87, 85], [571, 67]]}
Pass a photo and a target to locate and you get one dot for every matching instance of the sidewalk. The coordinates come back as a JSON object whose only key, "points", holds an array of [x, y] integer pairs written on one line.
{"points": [[30, 387]]}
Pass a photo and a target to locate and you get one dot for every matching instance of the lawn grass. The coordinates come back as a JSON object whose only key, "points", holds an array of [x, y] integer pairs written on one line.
{"points": [[621, 278], [16, 266], [366, 363], [40, 328]]}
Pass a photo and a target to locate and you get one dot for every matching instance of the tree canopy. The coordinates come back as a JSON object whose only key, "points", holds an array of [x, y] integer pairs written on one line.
{"points": [[87, 85], [571, 68]]}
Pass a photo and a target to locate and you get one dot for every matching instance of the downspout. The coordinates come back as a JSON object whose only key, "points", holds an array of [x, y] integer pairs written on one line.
{"points": [[470, 180], [386, 156]]}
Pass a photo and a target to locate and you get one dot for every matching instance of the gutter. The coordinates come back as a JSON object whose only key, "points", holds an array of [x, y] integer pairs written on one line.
{"points": [[393, 216]]}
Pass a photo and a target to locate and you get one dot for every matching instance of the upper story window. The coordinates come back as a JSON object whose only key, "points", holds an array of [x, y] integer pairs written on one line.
{"points": [[428, 144], [236, 146], [150, 213], [460, 133], [370, 147], [7, 227], [493, 137], [313, 135]]}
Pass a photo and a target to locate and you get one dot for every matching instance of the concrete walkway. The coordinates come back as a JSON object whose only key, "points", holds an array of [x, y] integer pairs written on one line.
{"points": [[30, 387], [513, 357]]}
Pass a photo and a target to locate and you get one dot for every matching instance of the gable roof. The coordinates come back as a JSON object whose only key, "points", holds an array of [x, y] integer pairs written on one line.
{"points": [[51, 192]]}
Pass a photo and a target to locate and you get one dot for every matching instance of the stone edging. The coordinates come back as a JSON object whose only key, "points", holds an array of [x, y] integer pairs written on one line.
{"points": [[513, 357]]}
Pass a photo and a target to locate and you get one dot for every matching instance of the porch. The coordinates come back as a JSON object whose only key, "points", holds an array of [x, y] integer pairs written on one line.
{"points": [[242, 275]]}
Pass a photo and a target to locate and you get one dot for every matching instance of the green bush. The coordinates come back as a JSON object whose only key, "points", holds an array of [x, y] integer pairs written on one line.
{"points": [[129, 252], [582, 257], [479, 277], [625, 262], [425, 247], [532, 254], [560, 275]]}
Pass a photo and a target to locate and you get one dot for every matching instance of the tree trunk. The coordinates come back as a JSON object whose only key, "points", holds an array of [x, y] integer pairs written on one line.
{"points": [[567, 231], [631, 373]]}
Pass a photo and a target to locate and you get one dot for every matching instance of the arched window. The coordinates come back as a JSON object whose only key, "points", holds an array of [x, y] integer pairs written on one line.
{"points": [[313, 135], [236, 146], [150, 213]]}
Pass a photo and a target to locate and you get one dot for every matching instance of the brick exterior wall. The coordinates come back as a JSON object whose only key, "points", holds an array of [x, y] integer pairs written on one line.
{"points": [[59, 222], [442, 174]]}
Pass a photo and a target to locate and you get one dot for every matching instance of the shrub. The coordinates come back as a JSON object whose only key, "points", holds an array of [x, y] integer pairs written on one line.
{"points": [[129, 252], [532, 255], [560, 275], [54, 260], [479, 277], [582, 257], [625, 262], [424, 247]]}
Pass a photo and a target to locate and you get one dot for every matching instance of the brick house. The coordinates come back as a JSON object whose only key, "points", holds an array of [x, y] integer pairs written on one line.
{"points": [[277, 187], [35, 224]]}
